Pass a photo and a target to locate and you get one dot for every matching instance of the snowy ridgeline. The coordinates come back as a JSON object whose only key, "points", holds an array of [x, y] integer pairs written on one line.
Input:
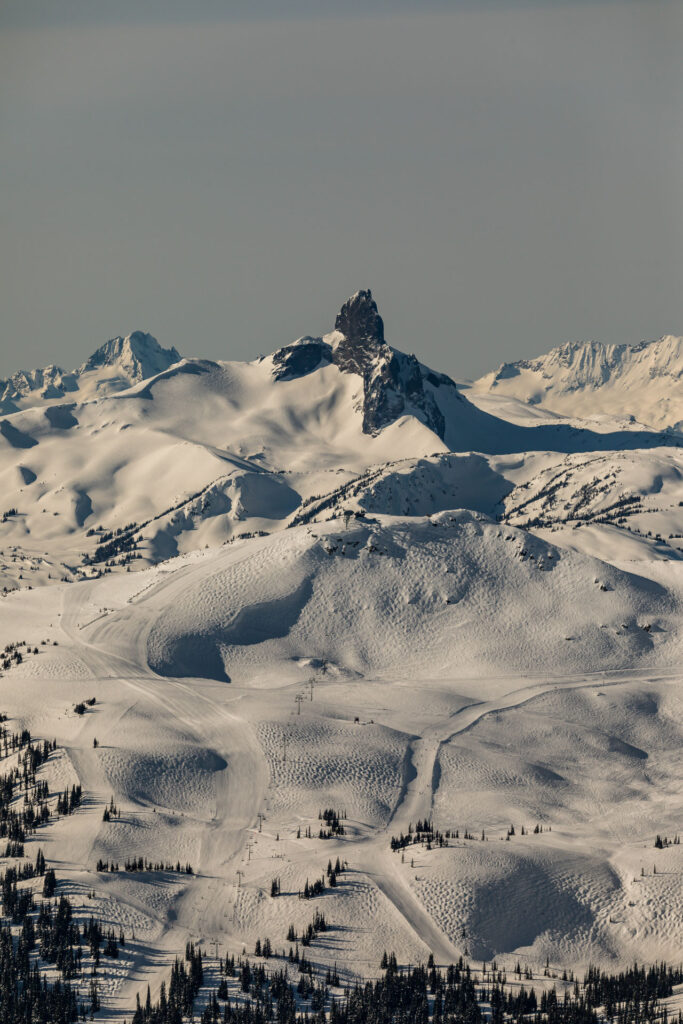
{"points": [[642, 382], [140, 455]]}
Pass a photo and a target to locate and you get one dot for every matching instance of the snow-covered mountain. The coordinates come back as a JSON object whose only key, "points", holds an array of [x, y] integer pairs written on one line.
{"points": [[587, 379], [330, 578], [394, 384], [114, 366], [180, 453]]}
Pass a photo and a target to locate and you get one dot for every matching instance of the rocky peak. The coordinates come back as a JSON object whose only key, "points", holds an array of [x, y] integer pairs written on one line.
{"points": [[137, 356], [114, 366], [362, 335], [359, 321], [394, 384]]}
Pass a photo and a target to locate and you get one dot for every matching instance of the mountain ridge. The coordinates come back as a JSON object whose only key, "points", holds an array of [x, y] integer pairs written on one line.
{"points": [[633, 383], [204, 451], [644, 381]]}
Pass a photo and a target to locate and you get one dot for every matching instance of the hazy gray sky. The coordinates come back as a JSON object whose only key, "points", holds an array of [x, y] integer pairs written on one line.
{"points": [[504, 176]]}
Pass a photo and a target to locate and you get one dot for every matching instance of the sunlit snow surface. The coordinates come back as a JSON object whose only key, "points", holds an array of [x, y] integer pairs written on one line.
{"points": [[485, 631]]}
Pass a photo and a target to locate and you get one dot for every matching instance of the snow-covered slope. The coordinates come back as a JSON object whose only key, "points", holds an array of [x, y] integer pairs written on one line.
{"points": [[620, 506], [453, 595], [587, 379], [398, 669]]}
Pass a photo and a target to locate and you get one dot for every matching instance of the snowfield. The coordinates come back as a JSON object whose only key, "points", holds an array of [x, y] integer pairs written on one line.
{"points": [[453, 595], [278, 606]]}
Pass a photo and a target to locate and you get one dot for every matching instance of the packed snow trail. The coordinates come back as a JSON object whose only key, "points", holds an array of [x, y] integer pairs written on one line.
{"points": [[202, 909], [373, 855]]}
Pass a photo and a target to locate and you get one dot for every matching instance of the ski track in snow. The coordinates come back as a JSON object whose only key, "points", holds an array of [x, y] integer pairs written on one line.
{"points": [[211, 765]]}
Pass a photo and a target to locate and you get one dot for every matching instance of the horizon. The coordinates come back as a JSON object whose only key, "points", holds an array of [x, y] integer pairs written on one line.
{"points": [[199, 355]]}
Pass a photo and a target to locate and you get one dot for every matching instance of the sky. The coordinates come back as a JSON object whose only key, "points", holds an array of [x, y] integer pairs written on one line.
{"points": [[505, 176]]}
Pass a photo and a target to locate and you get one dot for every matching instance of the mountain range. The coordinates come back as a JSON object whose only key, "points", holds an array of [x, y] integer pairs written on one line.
{"points": [[183, 452], [246, 601]]}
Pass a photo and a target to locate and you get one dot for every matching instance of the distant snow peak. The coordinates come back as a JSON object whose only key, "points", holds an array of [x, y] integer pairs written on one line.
{"points": [[579, 364], [585, 378], [115, 366], [50, 382], [137, 356]]}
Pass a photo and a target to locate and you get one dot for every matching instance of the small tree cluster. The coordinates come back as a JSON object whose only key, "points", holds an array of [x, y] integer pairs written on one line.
{"points": [[661, 842], [68, 801], [332, 819], [111, 811], [141, 864]]}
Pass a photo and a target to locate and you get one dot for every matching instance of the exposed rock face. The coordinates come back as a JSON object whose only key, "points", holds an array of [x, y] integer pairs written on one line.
{"points": [[300, 359], [51, 382], [393, 383], [394, 386], [363, 334]]}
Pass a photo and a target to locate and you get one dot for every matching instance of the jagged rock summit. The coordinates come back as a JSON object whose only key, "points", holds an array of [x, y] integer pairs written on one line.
{"points": [[362, 333], [394, 384]]}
